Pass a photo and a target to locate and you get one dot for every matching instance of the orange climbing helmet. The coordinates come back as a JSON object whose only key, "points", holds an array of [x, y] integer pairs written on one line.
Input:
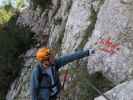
{"points": [[43, 54]]}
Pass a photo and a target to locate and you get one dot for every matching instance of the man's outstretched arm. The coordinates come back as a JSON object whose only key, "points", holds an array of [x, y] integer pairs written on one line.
{"points": [[61, 61]]}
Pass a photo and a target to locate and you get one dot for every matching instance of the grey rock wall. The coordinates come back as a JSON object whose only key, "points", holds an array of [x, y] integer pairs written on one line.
{"points": [[78, 27], [68, 25], [20, 89], [123, 91], [114, 21]]}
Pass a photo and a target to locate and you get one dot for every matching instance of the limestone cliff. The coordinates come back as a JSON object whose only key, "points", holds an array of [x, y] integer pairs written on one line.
{"points": [[68, 25]]}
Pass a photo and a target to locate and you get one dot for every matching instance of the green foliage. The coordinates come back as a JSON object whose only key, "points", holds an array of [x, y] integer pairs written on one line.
{"points": [[42, 3], [16, 4], [2, 97], [20, 4], [83, 81], [5, 15], [14, 41], [101, 2], [97, 80]]}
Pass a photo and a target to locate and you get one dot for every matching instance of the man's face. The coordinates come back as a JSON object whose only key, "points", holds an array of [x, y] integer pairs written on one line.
{"points": [[49, 61]]}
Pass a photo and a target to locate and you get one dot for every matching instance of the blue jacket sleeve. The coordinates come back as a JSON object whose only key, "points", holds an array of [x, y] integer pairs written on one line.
{"points": [[61, 61], [34, 84]]}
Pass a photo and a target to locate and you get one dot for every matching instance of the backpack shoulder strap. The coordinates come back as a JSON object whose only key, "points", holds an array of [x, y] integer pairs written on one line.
{"points": [[40, 73]]}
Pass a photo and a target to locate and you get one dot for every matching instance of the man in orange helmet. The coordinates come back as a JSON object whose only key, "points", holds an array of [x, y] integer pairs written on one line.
{"points": [[45, 83]]}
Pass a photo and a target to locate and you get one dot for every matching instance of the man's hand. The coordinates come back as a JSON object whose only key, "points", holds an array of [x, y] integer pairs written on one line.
{"points": [[92, 51]]}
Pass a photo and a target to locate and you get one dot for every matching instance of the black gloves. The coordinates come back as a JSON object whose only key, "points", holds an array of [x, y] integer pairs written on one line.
{"points": [[92, 51]]}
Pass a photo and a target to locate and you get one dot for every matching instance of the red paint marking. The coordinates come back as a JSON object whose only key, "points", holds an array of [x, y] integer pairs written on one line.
{"points": [[109, 46]]}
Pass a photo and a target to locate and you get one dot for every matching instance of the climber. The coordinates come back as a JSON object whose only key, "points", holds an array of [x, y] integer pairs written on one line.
{"points": [[45, 84]]}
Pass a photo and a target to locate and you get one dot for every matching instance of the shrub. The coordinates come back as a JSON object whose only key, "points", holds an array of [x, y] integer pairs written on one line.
{"points": [[14, 41], [83, 82]]}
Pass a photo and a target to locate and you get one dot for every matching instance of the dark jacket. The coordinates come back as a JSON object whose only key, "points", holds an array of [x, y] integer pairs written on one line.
{"points": [[41, 91]]}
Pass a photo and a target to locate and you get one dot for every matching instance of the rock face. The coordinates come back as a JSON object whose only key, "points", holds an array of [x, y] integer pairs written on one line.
{"points": [[114, 22], [20, 89], [80, 24], [68, 25], [123, 91]]}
